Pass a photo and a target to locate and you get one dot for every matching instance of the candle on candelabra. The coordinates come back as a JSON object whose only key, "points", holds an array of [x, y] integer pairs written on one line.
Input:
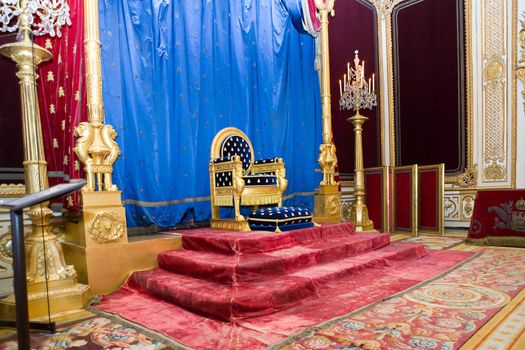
{"points": [[344, 80], [348, 68], [373, 83], [369, 86], [363, 70], [340, 88]]}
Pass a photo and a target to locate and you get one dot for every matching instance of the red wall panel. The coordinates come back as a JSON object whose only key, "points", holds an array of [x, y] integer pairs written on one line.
{"points": [[354, 27]]}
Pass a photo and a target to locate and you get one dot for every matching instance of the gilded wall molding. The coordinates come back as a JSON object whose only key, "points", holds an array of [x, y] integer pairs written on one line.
{"points": [[12, 190], [520, 70], [384, 20], [384, 10], [494, 92]]}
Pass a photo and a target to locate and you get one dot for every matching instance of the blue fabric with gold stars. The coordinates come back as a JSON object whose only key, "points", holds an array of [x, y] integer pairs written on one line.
{"points": [[285, 218], [177, 72]]}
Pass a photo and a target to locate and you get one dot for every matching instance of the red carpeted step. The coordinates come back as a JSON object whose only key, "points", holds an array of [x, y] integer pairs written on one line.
{"points": [[246, 267], [219, 241], [249, 299]]}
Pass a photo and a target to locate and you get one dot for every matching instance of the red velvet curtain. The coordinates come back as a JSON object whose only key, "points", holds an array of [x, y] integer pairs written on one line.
{"points": [[10, 120], [61, 97]]}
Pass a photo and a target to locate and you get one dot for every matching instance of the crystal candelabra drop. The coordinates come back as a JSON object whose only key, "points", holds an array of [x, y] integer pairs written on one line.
{"points": [[44, 16], [357, 93]]}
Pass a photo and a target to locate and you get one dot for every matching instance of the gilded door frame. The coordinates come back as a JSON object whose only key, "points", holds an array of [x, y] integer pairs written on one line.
{"points": [[469, 178]]}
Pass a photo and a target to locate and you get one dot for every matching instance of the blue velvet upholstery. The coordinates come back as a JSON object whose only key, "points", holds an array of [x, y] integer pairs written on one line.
{"points": [[223, 179], [280, 219], [223, 159], [260, 180], [236, 145], [266, 161]]}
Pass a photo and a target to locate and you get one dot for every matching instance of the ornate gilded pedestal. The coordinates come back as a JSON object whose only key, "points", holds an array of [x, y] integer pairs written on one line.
{"points": [[327, 199], [103, 219], [49, 278], [359, 211]]}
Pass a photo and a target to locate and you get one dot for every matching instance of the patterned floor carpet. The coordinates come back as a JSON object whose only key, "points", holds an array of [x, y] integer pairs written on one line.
{"points": [[480, 305], [442, 314], [434, 241], [94, 332]]}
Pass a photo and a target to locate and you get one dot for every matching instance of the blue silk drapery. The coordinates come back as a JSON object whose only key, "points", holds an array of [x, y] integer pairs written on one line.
{"points": [[176, 72]]}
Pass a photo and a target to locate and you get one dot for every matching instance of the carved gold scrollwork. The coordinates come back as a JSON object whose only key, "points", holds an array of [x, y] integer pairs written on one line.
{"points": [[494, 70], [451, 207], [467, 207], [345, 210], [332, 205], [520, 72], [328, 161], [106, 227], [6, 253], [12, 190], [494, 172], [468, 178]]}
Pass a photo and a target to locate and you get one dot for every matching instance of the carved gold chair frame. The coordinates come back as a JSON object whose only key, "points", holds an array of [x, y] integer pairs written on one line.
{"points": [[237, 169]]}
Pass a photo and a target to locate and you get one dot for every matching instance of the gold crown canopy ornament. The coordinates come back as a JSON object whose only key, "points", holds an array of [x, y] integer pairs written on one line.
{"points": [[356, 93], [44, 255]]}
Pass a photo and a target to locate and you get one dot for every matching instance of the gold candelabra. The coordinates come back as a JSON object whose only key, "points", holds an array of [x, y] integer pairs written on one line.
{"points": [[356, 93], [43, 249]]}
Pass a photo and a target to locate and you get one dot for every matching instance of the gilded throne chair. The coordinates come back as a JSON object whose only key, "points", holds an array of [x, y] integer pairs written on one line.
{"points": [[237, 179]]}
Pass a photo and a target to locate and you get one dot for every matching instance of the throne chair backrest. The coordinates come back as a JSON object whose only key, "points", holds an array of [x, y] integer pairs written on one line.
{"points": [[230, 142]]}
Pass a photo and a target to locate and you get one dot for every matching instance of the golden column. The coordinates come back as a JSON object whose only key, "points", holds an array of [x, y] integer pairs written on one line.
{"points": [[357, 93], [327, 207], [103, 218], [46, 267]]}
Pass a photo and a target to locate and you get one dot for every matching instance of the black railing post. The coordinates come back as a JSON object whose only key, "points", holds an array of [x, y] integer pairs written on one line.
{"points": [[19, 271]]}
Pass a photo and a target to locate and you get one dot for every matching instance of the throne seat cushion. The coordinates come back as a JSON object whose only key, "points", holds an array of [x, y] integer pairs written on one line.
{"points": [[280, 219], [260, 180]]}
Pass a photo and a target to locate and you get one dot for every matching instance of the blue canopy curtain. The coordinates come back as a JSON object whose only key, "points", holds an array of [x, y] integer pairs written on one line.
{"points": [[175, 72]]}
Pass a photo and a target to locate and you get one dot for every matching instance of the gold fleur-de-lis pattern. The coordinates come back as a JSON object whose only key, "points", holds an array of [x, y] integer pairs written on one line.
{"points": [[237, 146], [61, 94]]}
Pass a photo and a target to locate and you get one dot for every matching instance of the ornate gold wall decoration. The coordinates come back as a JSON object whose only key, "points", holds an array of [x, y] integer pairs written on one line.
{"points": [[494, 171], [459, 206], [494, 91], [520, 71], [12, 190], [107, 227], [467, 206], [384, 7], [451, 204], [469, 178]]}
